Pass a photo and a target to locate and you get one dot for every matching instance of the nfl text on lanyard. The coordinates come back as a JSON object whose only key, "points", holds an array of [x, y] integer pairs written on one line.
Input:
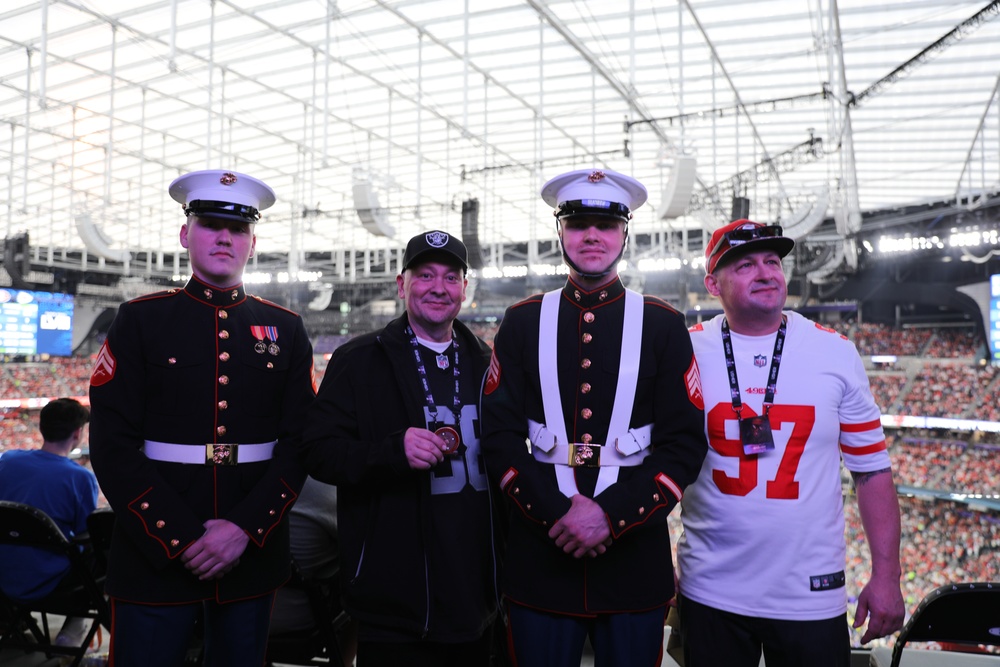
{"points": [[446, 433], [755, 432]]}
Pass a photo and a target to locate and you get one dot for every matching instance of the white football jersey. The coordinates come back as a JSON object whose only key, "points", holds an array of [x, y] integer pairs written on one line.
{"points": [[764, 533]]}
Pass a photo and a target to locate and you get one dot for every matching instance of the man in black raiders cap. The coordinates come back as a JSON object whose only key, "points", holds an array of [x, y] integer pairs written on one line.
{"points": [[395, 426], [197, 397]]}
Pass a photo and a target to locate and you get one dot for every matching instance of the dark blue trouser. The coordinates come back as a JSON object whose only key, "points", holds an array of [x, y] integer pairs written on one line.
{"points": [[540, 639], [235, 634]]}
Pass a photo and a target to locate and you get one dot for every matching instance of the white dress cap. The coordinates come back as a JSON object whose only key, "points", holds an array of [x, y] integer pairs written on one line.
{"points": [[220, 193], [596, 185]]}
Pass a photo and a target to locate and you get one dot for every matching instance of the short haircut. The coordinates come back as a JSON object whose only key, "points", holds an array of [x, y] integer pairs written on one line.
{"points": [[61, 417]]}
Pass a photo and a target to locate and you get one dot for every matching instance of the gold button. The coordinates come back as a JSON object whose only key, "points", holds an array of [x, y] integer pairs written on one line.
{"points": [[208, 294], [642, 510], [528, 507], [588, 317], [174, 543], [223, 405], [586, 438], [270, 365], [221, 430], [585, 388], [517, 490], [621, 523], [223, 314], [260, 531], [585, 363], [144, 506], [224, 356], [223, 379], [224, 335], [161, 523], [586, 413], [656, 497], [271, 512], [587, 338], [172, 360], [284, 495]]}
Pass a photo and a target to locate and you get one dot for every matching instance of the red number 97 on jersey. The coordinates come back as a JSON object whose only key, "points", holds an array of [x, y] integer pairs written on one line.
{"points": [[783, 486]]}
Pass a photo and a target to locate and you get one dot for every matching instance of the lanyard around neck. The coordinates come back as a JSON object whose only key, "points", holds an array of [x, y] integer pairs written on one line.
{"points": [[734, 383], [456, 408]]}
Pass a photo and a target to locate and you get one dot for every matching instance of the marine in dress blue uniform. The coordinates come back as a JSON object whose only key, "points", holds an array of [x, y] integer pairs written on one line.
{"points": [[197, 396], [602, 382]]}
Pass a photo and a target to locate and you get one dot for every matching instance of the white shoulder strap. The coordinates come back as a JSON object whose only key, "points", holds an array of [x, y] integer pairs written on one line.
{"points": [[628, 376], [548, 378]]}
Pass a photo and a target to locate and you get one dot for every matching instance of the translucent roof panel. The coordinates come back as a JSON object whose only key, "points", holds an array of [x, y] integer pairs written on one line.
{"points": [[802, 107]]}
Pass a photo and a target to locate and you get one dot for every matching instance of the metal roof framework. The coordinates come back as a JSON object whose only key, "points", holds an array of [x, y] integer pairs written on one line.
{"points": [[810, 110]]}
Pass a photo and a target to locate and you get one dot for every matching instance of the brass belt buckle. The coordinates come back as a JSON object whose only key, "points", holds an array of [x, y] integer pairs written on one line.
{"points": [[584, 456], [220, 455]]}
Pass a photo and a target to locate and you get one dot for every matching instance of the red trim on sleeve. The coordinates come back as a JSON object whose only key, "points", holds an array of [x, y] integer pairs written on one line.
{"points": [[859, 428], [862, 451]]}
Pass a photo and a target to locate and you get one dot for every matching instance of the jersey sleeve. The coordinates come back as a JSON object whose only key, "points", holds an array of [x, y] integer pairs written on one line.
{"points": [[862, 440]]}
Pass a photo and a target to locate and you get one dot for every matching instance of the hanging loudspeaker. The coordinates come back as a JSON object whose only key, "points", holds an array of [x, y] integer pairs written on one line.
{"points": [[373, 217], [677, 193], [470, 233], [96, 242], [741, 208]]}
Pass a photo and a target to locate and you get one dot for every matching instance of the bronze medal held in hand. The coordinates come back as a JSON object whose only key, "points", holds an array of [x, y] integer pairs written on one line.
{"points": [[450, 437]]}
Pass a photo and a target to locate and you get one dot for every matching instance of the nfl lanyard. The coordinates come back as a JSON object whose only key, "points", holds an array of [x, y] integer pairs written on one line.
{"points": [[755, 432], [449, 434]]}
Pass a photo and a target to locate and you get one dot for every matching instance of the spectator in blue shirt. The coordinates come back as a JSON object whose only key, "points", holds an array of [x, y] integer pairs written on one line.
{"points": [[48, 480]]}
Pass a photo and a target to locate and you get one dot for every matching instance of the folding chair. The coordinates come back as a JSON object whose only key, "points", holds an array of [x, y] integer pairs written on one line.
{"points": [[320, 644], [966, 614], [100, 525], [25, 526]]}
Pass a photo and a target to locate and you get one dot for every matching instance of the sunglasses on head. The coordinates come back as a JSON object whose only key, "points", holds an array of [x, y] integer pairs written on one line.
{"points": [[740, 236]]}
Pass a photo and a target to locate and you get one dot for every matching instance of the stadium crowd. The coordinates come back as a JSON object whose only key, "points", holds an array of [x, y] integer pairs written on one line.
{"points": [[880, 339], [948, 390], [941, 543]]}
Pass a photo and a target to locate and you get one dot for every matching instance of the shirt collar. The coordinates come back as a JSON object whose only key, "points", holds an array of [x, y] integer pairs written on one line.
{"points": [[214, 296], [600, 296]]}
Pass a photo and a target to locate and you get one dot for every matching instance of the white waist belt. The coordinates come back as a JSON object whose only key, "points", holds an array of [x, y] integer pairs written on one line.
{"points": [[627, 450], [210, 454]]}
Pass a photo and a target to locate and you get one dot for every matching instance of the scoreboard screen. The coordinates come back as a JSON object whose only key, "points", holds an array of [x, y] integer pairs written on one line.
{"points": [[36, 322]]}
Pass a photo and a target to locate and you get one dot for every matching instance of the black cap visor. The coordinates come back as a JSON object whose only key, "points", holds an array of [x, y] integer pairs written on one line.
{"points": [[222, 209], [593, 207]]}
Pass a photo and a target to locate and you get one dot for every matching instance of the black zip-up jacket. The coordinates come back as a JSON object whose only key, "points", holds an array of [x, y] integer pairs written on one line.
{"points": [[416, 545]]}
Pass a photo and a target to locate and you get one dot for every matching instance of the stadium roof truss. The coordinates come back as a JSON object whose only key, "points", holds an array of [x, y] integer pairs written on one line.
{"points": [[375, 119]]}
